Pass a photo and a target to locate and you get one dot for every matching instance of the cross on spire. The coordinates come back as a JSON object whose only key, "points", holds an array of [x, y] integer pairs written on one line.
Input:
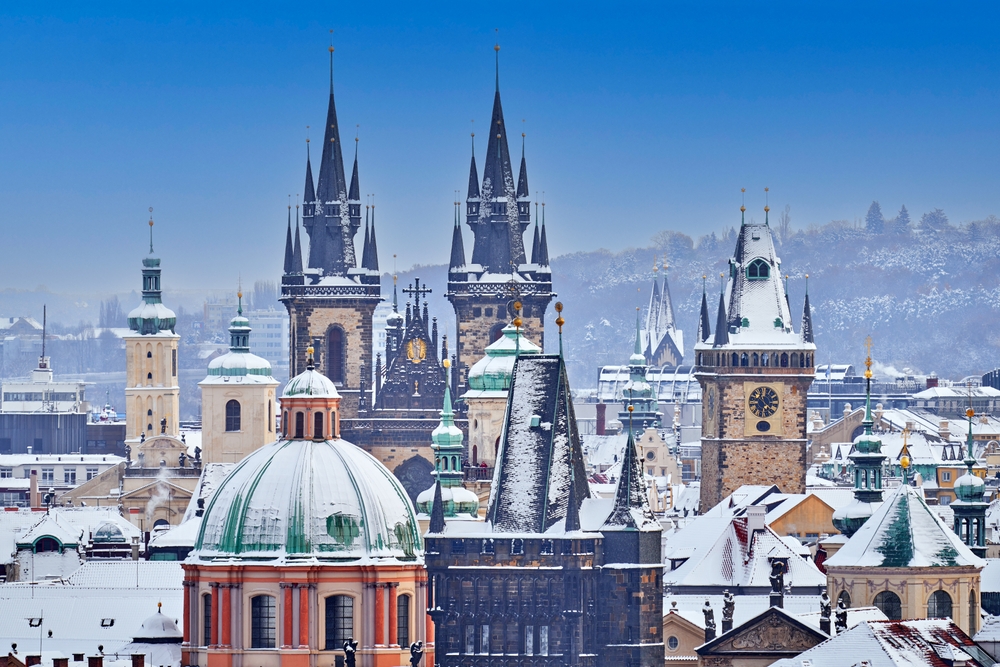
{"points": [[417, 291]]}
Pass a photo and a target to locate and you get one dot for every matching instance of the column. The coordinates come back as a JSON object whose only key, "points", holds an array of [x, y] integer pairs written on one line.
{"points": [[216, 612], [379, 616], [227, 615], [187, 611], [304, 594], [393, 624], [286, 615]]}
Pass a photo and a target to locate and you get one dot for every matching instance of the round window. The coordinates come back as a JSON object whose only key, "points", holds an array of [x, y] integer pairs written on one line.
{"points": [[672, 643], [650, 456]]}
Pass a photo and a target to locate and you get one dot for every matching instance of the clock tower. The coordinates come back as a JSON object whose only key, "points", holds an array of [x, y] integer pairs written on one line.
{"points": [[754, 372]]}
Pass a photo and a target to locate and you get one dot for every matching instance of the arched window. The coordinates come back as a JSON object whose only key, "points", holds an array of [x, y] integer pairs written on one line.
{"points": [[744, 359], [284, 423], [300, 425], [403, 620], [844, 597], [262, 623], [939, 605], [149, 413], [784, 360], [149, 376], [756, 359], [699, 359], [496, 331], [335, 355], [888, 602], [973, 613], [758, 269], [206, 619], [736, 360], [764, 359], [46, 544], [802, 360], [318, 426], [232, 416], [809, 360], [339, 621]]}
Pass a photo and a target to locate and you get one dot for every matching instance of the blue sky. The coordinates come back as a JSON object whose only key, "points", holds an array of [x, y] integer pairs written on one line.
{"points": [[639, 118]]}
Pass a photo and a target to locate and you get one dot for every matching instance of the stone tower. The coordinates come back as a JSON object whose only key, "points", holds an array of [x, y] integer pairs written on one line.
{"points": [[330, 299], [499, 272], [152, 395], [754, 375]]}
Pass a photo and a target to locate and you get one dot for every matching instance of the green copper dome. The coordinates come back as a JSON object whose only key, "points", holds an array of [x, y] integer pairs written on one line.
{"points": [[492, 372], [292, 499]]}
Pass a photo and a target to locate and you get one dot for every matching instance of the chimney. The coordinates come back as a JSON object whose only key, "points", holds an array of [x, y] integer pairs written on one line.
{"points": [[755, 518], [77, 657], [33, 493], [138, 659], [60, 662], [602, 409], [94, 661], [30, 660], [932, 380]]}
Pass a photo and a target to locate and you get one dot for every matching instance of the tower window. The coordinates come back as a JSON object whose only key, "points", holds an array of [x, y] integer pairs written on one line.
{"points": [[232, 416], [318, 426], [758, 269], [149, 355], [335, 355], [149, 376], [300, 425]]}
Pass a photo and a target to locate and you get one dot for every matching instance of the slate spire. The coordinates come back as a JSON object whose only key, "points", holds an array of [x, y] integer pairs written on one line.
{"points": [[543, 244], [373, 248], [704, 328], [721, 325], [535, 240], [355, 191], [365, 250], [807, 322], [457, 245], [332, 185], [310, 191], [289, 249], [437, 511], [297, 248], [630, 495], [473, 173], [522, 178]]}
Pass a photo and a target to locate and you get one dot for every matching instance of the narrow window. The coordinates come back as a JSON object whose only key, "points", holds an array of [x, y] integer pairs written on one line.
{"points": [[270, 417], [335, 355], [973, 613], [543, 640], [484, 646], [206, 637], [173, 362], [403, 620], [262, 621], [300, 425], [318, 426], [470, 639], [529, 640], [339, 621], [232, 416]]}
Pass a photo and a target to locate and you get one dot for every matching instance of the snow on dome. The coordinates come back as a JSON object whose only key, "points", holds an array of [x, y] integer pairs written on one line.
{"points": [[970, 488], [458, 501], [327, 500], [493, 371], [239, 363], [159, 629], [310, 383], [151, 318]]}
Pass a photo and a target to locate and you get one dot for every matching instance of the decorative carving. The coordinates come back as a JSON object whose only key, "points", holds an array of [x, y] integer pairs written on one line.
{"points": [[772, 634]]}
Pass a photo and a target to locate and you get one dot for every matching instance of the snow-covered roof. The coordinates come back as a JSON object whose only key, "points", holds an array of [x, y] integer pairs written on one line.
{"points": [[212, 475], [328, 500], [159, 628], [958, 392], [493, 371], [904, 532], [989, 578], [183, 535], [49, 525], [117, 574], [806, 608], [239, 367], [14, 460], [310, 383], [894, 644]]}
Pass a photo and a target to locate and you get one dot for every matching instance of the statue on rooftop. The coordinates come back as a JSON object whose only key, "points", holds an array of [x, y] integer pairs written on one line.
{"points": [[416, 653], [777, 577], [841, 623], [350, 652]]}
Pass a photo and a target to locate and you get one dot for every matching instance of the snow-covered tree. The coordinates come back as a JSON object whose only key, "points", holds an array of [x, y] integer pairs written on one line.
{"points": [[934, 222], [874, 221]]}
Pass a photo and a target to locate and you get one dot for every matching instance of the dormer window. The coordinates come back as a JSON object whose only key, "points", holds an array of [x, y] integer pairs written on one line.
{"points": [[758, 269]]}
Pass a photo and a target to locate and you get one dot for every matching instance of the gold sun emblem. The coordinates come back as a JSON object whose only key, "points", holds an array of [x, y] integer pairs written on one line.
{"points": [[416, 350]]}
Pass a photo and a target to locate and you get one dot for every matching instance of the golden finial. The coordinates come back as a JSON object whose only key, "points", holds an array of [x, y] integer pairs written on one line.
{"points": [[496, 47], [446, 363], [517, 305], [309, 350], [654, 263], [868, 359], [904, 460], [559, 318], [631, 408], [970, 413], [331, 41], [523, 135], [159, 606], [517, 322], [766, 207]]}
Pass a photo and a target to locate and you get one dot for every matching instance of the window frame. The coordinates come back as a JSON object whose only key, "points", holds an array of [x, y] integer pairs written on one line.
{"points": [[234, 416], [335, 636], [263, 626]]}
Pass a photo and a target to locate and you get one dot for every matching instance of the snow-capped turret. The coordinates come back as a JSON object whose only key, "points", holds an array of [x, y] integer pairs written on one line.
{"points": [[721, 328], [704, 327]]}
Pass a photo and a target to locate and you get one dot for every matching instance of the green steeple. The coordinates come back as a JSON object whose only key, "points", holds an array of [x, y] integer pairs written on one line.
{"points": [[970, 510], [151, 316], [447, 446]]}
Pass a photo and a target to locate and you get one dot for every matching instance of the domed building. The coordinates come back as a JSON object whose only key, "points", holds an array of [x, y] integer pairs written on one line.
{"points": [[489, 382], [307, 542], [237, 399]]}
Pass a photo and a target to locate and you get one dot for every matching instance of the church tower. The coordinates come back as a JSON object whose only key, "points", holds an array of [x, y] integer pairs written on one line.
{"points": [[498, 212], [152, 395], [754, 374], [330, 299]]}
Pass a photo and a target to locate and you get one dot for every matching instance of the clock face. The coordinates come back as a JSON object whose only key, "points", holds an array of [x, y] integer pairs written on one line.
{"points": [[763, 402]]}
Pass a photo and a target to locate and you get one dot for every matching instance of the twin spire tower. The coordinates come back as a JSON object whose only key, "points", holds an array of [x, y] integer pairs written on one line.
{"points": [[331, 298]]}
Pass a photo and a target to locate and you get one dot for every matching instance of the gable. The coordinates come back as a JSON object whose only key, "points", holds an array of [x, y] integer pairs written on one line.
{"points": [[774, 633]]}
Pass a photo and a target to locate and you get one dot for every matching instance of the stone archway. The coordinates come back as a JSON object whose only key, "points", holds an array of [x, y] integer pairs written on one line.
{"points": [[415, 474]]}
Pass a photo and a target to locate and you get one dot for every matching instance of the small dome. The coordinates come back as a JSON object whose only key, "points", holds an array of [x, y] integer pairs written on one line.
{"points": [[394, 319], [493, 371], [151, 318], [159, 629], [109, 532], [457, 501], [239, 363], [310, 383], [327, 500], [970, 488], [849, 518]]}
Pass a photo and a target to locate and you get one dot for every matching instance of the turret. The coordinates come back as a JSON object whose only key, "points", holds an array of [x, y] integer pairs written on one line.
{"points": [[969, 509]]}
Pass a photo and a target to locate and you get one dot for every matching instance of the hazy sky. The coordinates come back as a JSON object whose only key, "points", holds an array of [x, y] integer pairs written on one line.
{"points": [[639, 118]]}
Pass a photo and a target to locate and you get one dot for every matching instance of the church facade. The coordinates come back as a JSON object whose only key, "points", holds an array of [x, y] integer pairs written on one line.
{"points": [[754, 373]]}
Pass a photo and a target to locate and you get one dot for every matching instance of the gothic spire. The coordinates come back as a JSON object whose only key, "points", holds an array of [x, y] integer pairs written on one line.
{"points": [[437, 511], [289, 249], [332, 185], [572, 506], [473, 173], [365, 250], [522, 178], [631, 508], [704, 328], [373, 249], [297, 248], [543, 245], [355, 192], [807, 323], [535, 240], [457, 246], [497, 170], [310, 191], [721, 325]]}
